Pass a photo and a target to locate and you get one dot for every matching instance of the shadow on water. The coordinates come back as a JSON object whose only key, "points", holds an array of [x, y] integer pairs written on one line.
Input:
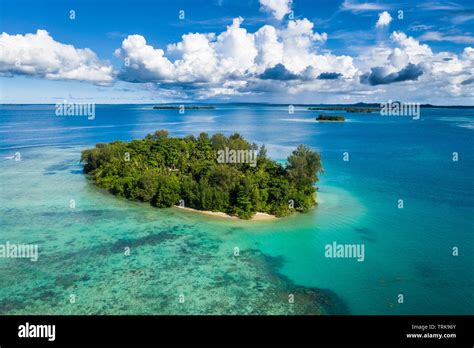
{"points": [[313, 300], [365, 234]]}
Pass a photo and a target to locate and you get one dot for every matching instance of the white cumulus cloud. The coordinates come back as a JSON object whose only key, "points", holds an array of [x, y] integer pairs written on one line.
{"points": [[280, 61], [143, 62], [269, 46], [209, 61], [384, 19], [279, 8], [40, 55], [431, 75]]}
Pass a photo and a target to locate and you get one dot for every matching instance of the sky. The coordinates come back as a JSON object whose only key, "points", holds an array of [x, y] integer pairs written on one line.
{"points": [[275, 51]]}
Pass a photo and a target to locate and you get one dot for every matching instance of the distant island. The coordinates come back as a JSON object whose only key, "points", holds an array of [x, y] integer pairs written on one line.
{"points": [[346, 109], [357, 107], [330, 118], [216, 174], [188, 107]]}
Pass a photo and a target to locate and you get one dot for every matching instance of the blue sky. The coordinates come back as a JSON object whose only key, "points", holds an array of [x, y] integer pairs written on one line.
{"points": [[257, 50]]}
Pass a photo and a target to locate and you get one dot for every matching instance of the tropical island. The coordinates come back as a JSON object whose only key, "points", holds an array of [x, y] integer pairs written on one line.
{"points": [[330, 118], [218, 174]]}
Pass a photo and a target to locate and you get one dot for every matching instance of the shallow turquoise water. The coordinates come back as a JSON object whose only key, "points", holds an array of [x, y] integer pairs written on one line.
{"points": [[173, 253]]}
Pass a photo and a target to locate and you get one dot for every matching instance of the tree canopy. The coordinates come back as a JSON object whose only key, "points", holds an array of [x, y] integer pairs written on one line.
{"points": [[166, 170]]}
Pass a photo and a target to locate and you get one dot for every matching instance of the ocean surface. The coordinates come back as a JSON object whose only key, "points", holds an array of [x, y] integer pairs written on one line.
{"points": [[185, 263]]}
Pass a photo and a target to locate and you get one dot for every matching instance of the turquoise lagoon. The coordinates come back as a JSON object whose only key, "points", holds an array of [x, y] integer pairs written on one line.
{"points": [[172, 252]]}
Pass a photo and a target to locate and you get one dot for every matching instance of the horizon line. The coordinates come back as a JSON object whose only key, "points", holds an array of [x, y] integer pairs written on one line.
{"points": [[258, 103]]}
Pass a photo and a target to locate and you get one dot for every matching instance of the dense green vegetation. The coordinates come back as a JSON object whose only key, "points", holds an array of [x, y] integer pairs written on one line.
{"points": [[163, 170], [331, 118]]}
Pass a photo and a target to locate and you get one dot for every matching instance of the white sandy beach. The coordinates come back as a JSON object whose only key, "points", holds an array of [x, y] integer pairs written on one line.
{"points": [[257, 217]]}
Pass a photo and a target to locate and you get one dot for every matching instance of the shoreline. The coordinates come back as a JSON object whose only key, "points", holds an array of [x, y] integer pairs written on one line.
{"points": [[257, 217]]}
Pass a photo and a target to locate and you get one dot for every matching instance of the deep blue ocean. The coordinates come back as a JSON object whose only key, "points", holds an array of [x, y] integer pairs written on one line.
{"points": [[408, 251]]}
